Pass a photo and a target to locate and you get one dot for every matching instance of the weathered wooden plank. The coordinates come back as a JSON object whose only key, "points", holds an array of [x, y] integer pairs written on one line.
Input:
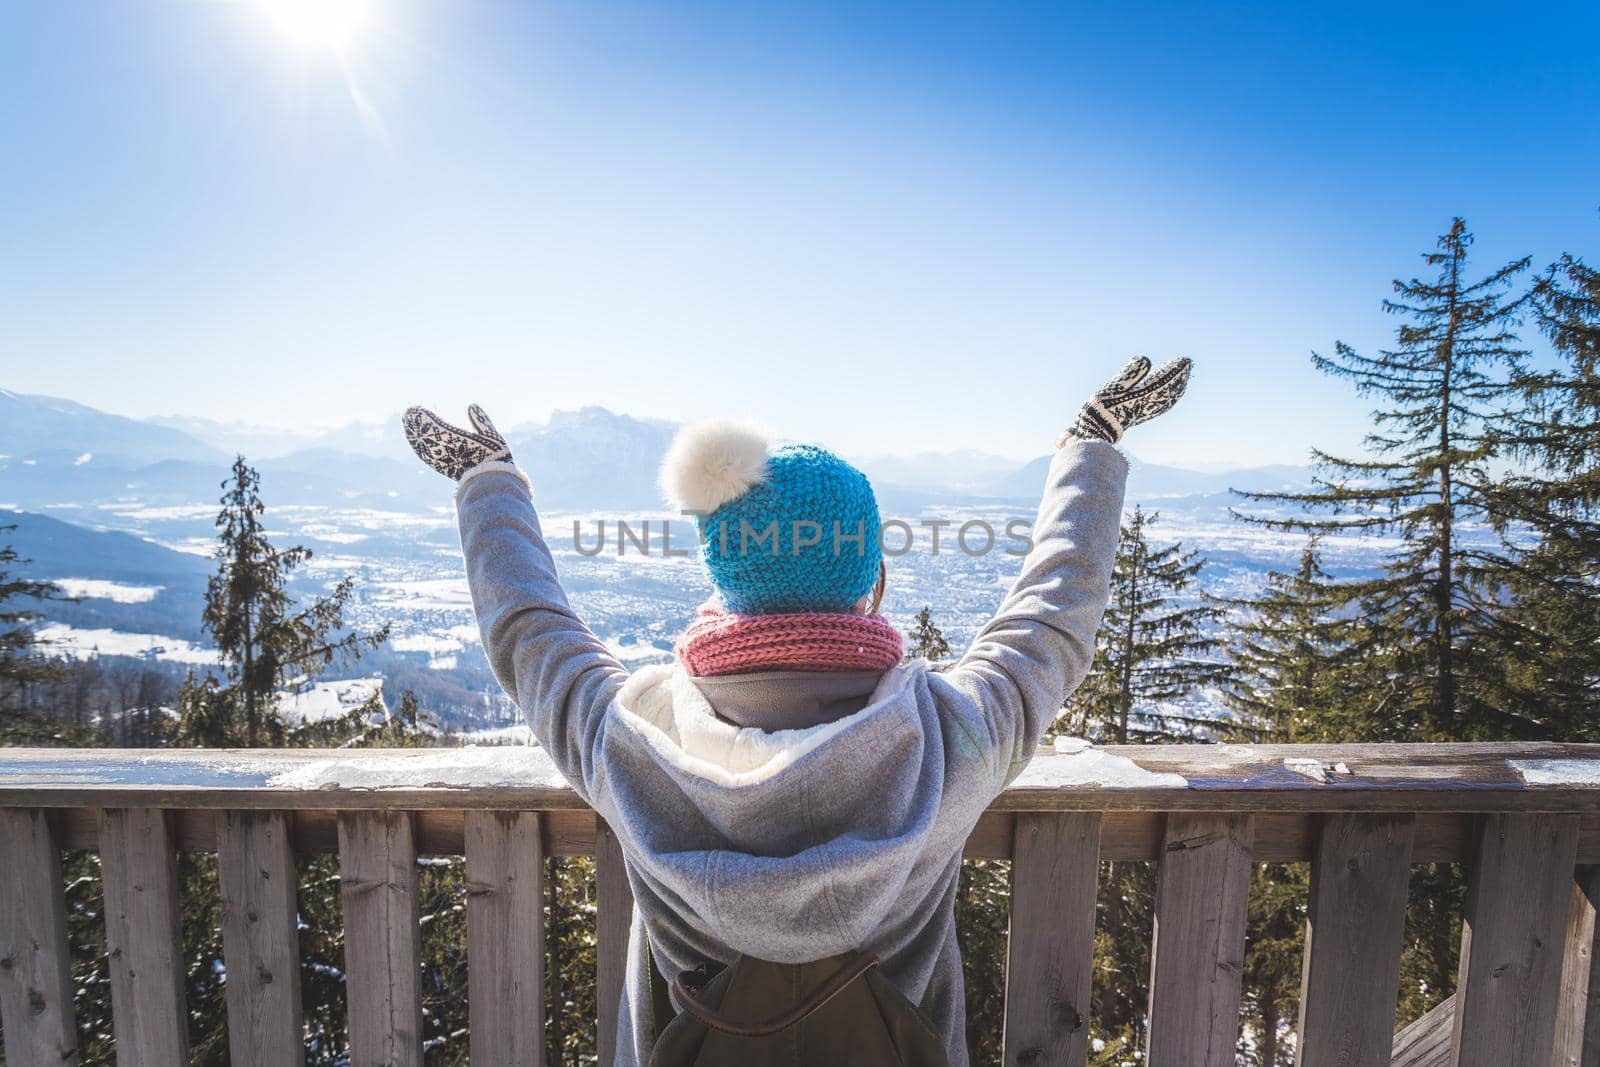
{"points": [[1354, 928], [1265, 778], [1426, 1042], [144, 945], [1280, 837], [1197, 956], [505, 938], [614, 921], [35, 983], [382, 938], [1511, 940], [1050, 948], [1577, 1042], [260, 948]]}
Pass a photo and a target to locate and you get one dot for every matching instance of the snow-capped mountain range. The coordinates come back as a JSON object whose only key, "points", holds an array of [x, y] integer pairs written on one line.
{"points": [[121, 512], [55, 451]]}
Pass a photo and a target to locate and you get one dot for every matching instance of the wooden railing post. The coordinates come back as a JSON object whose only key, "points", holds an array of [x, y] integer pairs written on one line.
{"points": [[1511, 940], [1055, 862], [505, 938], [1355, 926], [144, 945], [35, 980], [1578, 1016], [260, 947], [1197, 958], [614, 922], [1206, 813], [382, 937]]}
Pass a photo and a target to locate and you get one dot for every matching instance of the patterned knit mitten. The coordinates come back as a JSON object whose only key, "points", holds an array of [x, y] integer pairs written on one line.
{"points": [[450, 450], [1133, 396]]}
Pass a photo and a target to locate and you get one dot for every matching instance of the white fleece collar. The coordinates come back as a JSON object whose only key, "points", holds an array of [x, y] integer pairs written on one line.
{"points": [[663, 705]]}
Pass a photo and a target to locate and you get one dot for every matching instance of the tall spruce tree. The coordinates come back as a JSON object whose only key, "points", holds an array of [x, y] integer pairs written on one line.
{"points": [[264, 639], [926, 640], [1431, 614], [1293, 678], [1156, 645], [1548, 510], [21, 663]]}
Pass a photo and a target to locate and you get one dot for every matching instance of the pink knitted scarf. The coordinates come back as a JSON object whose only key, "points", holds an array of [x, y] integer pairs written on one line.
{"points": [[720, 643]]}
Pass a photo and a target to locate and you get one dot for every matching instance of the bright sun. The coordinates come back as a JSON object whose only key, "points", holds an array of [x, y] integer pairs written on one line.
{"points": [[330, 24]]}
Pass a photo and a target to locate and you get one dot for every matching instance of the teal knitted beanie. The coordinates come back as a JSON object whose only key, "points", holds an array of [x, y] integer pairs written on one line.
{"points": [[783, 530]]}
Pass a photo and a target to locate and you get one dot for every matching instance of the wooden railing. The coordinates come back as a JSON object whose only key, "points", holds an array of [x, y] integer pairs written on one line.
{"points": [[1524, 819]]}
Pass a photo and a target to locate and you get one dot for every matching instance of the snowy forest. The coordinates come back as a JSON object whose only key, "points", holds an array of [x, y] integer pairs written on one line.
{"points": [[1479, 483]]}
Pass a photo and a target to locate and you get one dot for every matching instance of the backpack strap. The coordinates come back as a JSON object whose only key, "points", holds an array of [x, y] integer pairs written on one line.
{"points": [[687, 984]]}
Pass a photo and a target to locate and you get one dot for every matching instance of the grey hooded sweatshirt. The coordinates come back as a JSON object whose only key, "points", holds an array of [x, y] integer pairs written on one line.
{"points": [[793, 816]]}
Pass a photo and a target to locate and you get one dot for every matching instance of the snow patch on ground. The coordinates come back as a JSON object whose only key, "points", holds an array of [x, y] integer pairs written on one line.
{"points": [[70, 641], [323, 531], [426, 594], [518, 734], [636, 654], [432, 644], [440, 648], [316, 701], [153, 513], [100, 589]]}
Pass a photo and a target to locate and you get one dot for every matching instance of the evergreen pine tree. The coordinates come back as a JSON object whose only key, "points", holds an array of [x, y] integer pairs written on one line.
{"points": [[1548, 509], [1427, 637], [1293, 677], [1155, 646], [1431, 614], [264, 639], [21, 663], [926, 640]]}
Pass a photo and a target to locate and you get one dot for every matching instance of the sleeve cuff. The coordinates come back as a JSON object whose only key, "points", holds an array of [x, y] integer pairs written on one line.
{"points": [[493, 466], [1094, 447]]}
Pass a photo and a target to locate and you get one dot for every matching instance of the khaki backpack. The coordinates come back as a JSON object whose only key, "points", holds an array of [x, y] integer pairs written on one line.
{"points": [[837, 1012]]}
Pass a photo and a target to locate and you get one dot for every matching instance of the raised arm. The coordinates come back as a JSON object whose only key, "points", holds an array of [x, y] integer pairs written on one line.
{"points": [[1040, 643], [557, 671]]}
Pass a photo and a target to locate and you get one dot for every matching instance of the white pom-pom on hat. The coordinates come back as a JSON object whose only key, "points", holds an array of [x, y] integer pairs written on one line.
{"points": [[711, 463]]}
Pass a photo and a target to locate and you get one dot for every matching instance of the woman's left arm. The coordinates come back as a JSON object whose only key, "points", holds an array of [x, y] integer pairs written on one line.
{"points": [[558, 672]]}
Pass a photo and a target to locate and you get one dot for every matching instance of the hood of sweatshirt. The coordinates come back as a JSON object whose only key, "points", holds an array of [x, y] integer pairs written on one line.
{"points": [[786, 844]]}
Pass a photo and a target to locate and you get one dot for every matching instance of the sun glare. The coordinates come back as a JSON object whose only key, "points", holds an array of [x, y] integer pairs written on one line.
{"points": [[330, 24]]}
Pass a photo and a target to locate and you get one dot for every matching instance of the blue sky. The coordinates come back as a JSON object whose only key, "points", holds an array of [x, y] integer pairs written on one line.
{"points": [[891, 228]]}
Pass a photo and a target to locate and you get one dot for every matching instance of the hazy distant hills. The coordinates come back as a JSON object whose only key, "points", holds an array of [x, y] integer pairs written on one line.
{"points": [[1152, 482], [30, 425], [56, 452], [167, 586], [140, 499]]}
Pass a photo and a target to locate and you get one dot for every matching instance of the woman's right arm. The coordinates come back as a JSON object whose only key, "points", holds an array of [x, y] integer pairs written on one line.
{"points": [[1040, 644]]}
